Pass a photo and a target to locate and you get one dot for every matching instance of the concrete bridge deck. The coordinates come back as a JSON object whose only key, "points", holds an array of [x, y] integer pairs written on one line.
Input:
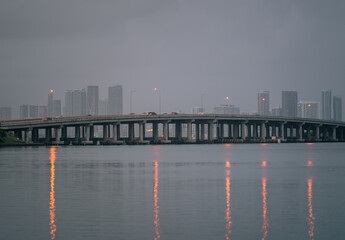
{"points": [[167, 128]]}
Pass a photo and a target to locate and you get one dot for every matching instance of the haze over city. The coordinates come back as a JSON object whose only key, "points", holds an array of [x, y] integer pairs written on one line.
{"points": [[184, 48]]}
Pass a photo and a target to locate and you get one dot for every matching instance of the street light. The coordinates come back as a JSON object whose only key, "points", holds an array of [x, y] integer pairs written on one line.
{"points": [[159, 99], [130, 100]]}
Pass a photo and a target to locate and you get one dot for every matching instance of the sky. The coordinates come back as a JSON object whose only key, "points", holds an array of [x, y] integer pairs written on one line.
{"points": [[185, 48]]}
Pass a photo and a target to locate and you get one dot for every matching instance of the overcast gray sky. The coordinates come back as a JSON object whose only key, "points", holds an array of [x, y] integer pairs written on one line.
{"points": [[185, 48]]}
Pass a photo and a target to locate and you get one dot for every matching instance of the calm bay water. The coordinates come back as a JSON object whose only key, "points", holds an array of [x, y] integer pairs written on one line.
{"points": [[244, 191]]}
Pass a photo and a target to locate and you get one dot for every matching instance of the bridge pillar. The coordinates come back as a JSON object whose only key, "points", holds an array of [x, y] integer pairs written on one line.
{"points": [[105, 132], [282, 131], [48, 135], [300, 132], [202, 132], [317, 133], [116, 132], [255, 131], [210, 131], [131, 132], [178, 131], [229, 130], [155, 132], [34, 135], [64, 134], [341, 134], [263, 131], [189, 132], [57, 131], [248, 131], [76, 134], [243, 131], [141, 132], [274, 129], [309, 133], [236, 131], [197, 132], [87, 135], [291, 132], [334, 133]]}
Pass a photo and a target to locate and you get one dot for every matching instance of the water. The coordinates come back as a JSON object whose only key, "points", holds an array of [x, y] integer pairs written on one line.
{"points": [[244, 191]]}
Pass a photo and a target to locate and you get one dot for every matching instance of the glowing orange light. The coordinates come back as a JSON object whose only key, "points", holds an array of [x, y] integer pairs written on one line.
{"points": [[51, 90], [309, 144], [263, 99], [227, 98], [264, 164], [309, 105], [227, 144], [228, 203], [155, 201], [52, 194], [263, 144], [264, 210], [311, 217], [155, 89], [310, 163], [227, 164]]}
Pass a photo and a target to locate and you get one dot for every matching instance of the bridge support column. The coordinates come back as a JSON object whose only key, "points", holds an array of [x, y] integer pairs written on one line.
{"points": [[243, 131], [274, 130], [255, 131], [64, 134], [334, 133], [131, 132], [178, 132], [189, 132], [229, 130], [48, 135], [166, 132], [236, 131], [57, 131], [317, 133], [341, 134], [87, 136], [105, 132], [202, 132], [155, 132], [197, 132], [263, 131], [300, 132], [76, 135], [291, 132], [141, 132], [282, 131], [210, 131], [34, 135]]}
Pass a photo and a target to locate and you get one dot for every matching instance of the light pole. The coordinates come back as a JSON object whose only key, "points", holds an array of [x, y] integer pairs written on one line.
{"points": [[159, 99], [130, 100]]}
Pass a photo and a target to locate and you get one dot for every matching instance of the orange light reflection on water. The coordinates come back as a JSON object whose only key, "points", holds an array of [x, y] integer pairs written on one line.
{"points": [[264, 209], [228, 203], [52, 216], [311, 217], [264, 164], [155, 201]]}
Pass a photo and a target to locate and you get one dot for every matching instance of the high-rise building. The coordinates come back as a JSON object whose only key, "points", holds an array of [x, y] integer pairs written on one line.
{"points": [[92, 100], [5, 113], [308, 110], [115, 100], [57, 108], [24, 111], [42, 111], [264, 103], [50, 103], [337, 108], [326, 104], [33, 111], [75, 103], [289, 103], [226, 109], [102, 107], [68, 109]]}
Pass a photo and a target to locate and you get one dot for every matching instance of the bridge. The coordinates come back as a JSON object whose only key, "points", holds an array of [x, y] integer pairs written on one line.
{"points": [[168, 128]]}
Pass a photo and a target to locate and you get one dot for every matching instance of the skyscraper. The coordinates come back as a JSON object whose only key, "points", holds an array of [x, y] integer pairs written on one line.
{"points": [[326, 104], [5, 113], [50, 104], [75, 103], [33, 111], [115, 100], [264, 103], [337, 108], [24, 111], [56, 108], [308, 110], [289, 103], [92, 100]]}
